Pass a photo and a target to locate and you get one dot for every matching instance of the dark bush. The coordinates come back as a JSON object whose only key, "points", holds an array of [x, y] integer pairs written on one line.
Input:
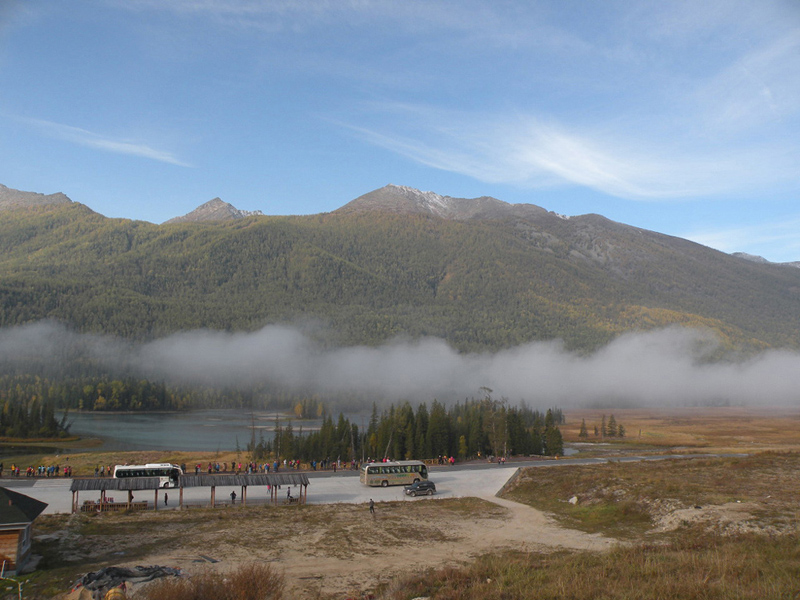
{"points": [[248, 582]]}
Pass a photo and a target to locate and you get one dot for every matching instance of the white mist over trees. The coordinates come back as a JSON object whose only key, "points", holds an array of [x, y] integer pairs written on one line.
{"points": [[673, 366]]}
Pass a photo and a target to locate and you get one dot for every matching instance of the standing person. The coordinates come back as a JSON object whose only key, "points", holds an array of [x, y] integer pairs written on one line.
{"points": [[166, 498], [371, 506], [233, 497]]}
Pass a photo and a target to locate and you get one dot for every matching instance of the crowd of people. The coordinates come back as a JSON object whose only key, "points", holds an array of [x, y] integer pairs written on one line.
{"points": [[275, 466], [103, 471], [40, 471]]}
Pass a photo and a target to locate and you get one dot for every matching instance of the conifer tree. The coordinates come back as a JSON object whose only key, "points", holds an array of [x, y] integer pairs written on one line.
{"points": [[611, 428], [462, 447], [554, 442], [439, 430], [421, 443], [583, 434]]}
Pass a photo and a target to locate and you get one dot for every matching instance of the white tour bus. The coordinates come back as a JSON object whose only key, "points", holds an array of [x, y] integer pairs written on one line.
{"points": [[402, 472], [168, 475]]}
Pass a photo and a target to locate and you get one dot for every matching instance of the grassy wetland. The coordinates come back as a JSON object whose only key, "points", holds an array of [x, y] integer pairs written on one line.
{"points": [[713, 527]]}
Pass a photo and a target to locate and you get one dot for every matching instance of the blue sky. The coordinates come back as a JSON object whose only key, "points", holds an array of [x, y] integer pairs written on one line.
{"points": [[680, 117]]}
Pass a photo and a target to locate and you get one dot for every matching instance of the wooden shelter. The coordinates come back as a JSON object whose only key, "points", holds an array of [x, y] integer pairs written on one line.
{"points": [[272, 481], [17, 512]]}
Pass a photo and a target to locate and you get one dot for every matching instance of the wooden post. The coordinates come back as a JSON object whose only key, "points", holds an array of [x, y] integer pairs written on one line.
{"points": [[155, 502], [213, 495], [130, 498], [75, 501], [244, 495]]}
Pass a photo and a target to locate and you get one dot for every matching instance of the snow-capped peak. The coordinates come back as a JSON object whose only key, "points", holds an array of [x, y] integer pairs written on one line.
{"points": [[432, 201]]}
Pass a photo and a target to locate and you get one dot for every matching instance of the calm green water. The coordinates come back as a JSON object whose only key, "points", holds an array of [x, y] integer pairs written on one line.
{"points": [[201, 430]]}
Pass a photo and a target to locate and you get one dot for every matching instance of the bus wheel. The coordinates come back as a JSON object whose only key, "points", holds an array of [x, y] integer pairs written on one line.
{"points": [[384, 483]]}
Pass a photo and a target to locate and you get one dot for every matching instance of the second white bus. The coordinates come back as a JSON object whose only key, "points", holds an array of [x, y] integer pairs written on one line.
{"points": [[402, 472]]}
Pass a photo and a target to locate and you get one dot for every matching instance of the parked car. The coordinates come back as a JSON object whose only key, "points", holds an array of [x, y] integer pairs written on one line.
{"points": [[420, 488]]}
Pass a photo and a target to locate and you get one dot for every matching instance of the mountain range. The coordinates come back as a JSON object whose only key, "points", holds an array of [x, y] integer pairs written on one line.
{"points": [[479, 273]]}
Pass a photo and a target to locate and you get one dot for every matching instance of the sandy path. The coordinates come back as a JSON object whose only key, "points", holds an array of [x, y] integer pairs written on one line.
{"points": [[514, 527], [353, 552], [526, 528]]}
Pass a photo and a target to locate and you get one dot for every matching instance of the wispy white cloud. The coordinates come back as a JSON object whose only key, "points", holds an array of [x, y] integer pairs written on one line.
{"points": [[89, 139], [533, 152], [681, 113], [653, 127]]}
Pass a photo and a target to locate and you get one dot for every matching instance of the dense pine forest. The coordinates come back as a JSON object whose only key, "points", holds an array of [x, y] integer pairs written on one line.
{"points": [[480, 285], [32, 418], [476, 428], [94, 393]]}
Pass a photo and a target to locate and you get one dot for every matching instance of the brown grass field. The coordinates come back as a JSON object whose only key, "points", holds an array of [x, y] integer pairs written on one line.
{"points": [[719, 429], [712, 528]]}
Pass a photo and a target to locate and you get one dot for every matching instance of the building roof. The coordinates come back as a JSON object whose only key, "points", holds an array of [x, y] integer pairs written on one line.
{"points": [[187, 481], [244, 479], [16, 508], [109, 483]]}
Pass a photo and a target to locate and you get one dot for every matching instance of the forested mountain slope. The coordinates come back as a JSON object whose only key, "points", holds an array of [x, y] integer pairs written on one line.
{"points": [[481, 274]]}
